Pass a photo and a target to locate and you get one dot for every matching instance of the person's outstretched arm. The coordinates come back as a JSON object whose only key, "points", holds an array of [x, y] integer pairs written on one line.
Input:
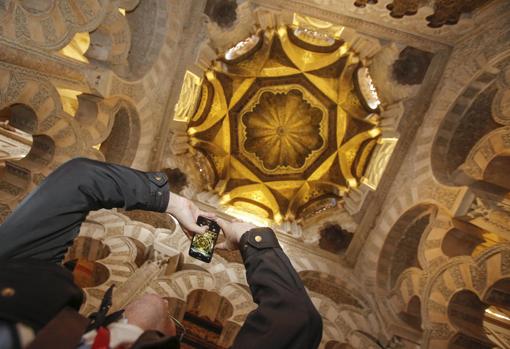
{"points": [[285, 317], [45, 223]]}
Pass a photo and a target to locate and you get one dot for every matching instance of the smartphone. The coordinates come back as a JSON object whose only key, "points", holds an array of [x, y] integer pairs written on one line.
{"points": [[202, 245]]}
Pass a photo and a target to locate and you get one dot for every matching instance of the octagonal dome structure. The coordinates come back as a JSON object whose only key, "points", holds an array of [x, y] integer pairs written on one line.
{"points": [[283, 125]]}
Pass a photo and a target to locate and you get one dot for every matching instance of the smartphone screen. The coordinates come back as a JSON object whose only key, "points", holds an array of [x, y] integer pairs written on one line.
{"points": [[202, 245]]}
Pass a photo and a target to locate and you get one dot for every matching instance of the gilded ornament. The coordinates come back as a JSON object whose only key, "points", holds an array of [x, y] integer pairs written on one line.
{"points": [[282, 124]]}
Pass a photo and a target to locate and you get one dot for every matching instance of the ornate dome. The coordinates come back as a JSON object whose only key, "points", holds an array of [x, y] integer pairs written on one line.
{"points": [[282, 131], [283, 126]]}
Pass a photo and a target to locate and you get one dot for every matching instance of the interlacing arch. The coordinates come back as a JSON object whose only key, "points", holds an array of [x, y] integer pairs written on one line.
{"points": [[489, 147], [434, 292], [116, 267], [111, 41], [113, 247], [330, 333], [49, 24], [430, 252], [481, 101], [178, 287], [409, 284], [369, 259], [34, 107], [343, 322], [401, 246], [443, 242], [477, 275]]}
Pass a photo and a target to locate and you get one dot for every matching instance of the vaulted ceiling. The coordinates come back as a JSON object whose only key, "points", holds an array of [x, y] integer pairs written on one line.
{"points": [[287, 121]]}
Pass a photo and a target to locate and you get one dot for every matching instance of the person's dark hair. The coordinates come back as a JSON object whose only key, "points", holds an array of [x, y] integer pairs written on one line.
{"points": [[177, 180]]}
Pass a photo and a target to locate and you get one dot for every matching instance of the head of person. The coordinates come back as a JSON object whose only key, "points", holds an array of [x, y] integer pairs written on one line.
{"points": [[150, 312]]}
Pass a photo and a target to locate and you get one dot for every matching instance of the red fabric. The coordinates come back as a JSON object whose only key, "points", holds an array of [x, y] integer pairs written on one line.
{"points": [[102, 340]]}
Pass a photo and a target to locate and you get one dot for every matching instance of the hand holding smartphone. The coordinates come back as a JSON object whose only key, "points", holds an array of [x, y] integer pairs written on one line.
{"points": [[202, 245]]}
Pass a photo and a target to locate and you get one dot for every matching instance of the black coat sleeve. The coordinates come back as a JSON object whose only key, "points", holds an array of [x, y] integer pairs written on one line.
{"points": [[45, 223], [285, 317]]}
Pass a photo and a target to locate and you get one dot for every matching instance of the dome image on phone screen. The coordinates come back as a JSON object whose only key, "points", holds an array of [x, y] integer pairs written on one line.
{"points": [[204, 241]]}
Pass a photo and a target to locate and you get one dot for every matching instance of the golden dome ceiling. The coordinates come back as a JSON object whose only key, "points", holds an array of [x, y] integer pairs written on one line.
{"points": [[281, 124], [283, 132]]}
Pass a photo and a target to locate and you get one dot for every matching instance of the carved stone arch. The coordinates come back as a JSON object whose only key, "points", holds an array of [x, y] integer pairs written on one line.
{"points": [[40, 96], [104, 223], [192, 266], [412, 314], [343, 320], [142, 235], [450, 237], [362, 333], [371, 253], [89, 272], [68, 141], [304, 263], [148, 24], [430, 253], [466, 314], [141, 232], [330, 334], [405, 302], [470, 65], [56, 136], [113, 222], [222, 271], [409, 284], [93, 230], [16, 174], [122, 143], [50, 24], [357, 319], [440, 287], [489, 148], [181, 283], [329, 312], [221, 39], [110, 42], [501, 103], [404, 237], [122, 250], [95, 116], [219, 308], [338, 290], [120, 263], [456, 135], [88, 248], [461, 273], [177, 240], [179, 286], [241, 300]]}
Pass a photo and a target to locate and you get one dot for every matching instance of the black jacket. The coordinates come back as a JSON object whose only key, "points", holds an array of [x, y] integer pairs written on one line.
{"points": [[45, 224]]}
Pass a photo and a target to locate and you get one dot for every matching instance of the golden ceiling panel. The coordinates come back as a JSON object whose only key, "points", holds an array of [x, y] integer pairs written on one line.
{"points": [[327, 29], [283, 129], [186, 105], [282, 125]]}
